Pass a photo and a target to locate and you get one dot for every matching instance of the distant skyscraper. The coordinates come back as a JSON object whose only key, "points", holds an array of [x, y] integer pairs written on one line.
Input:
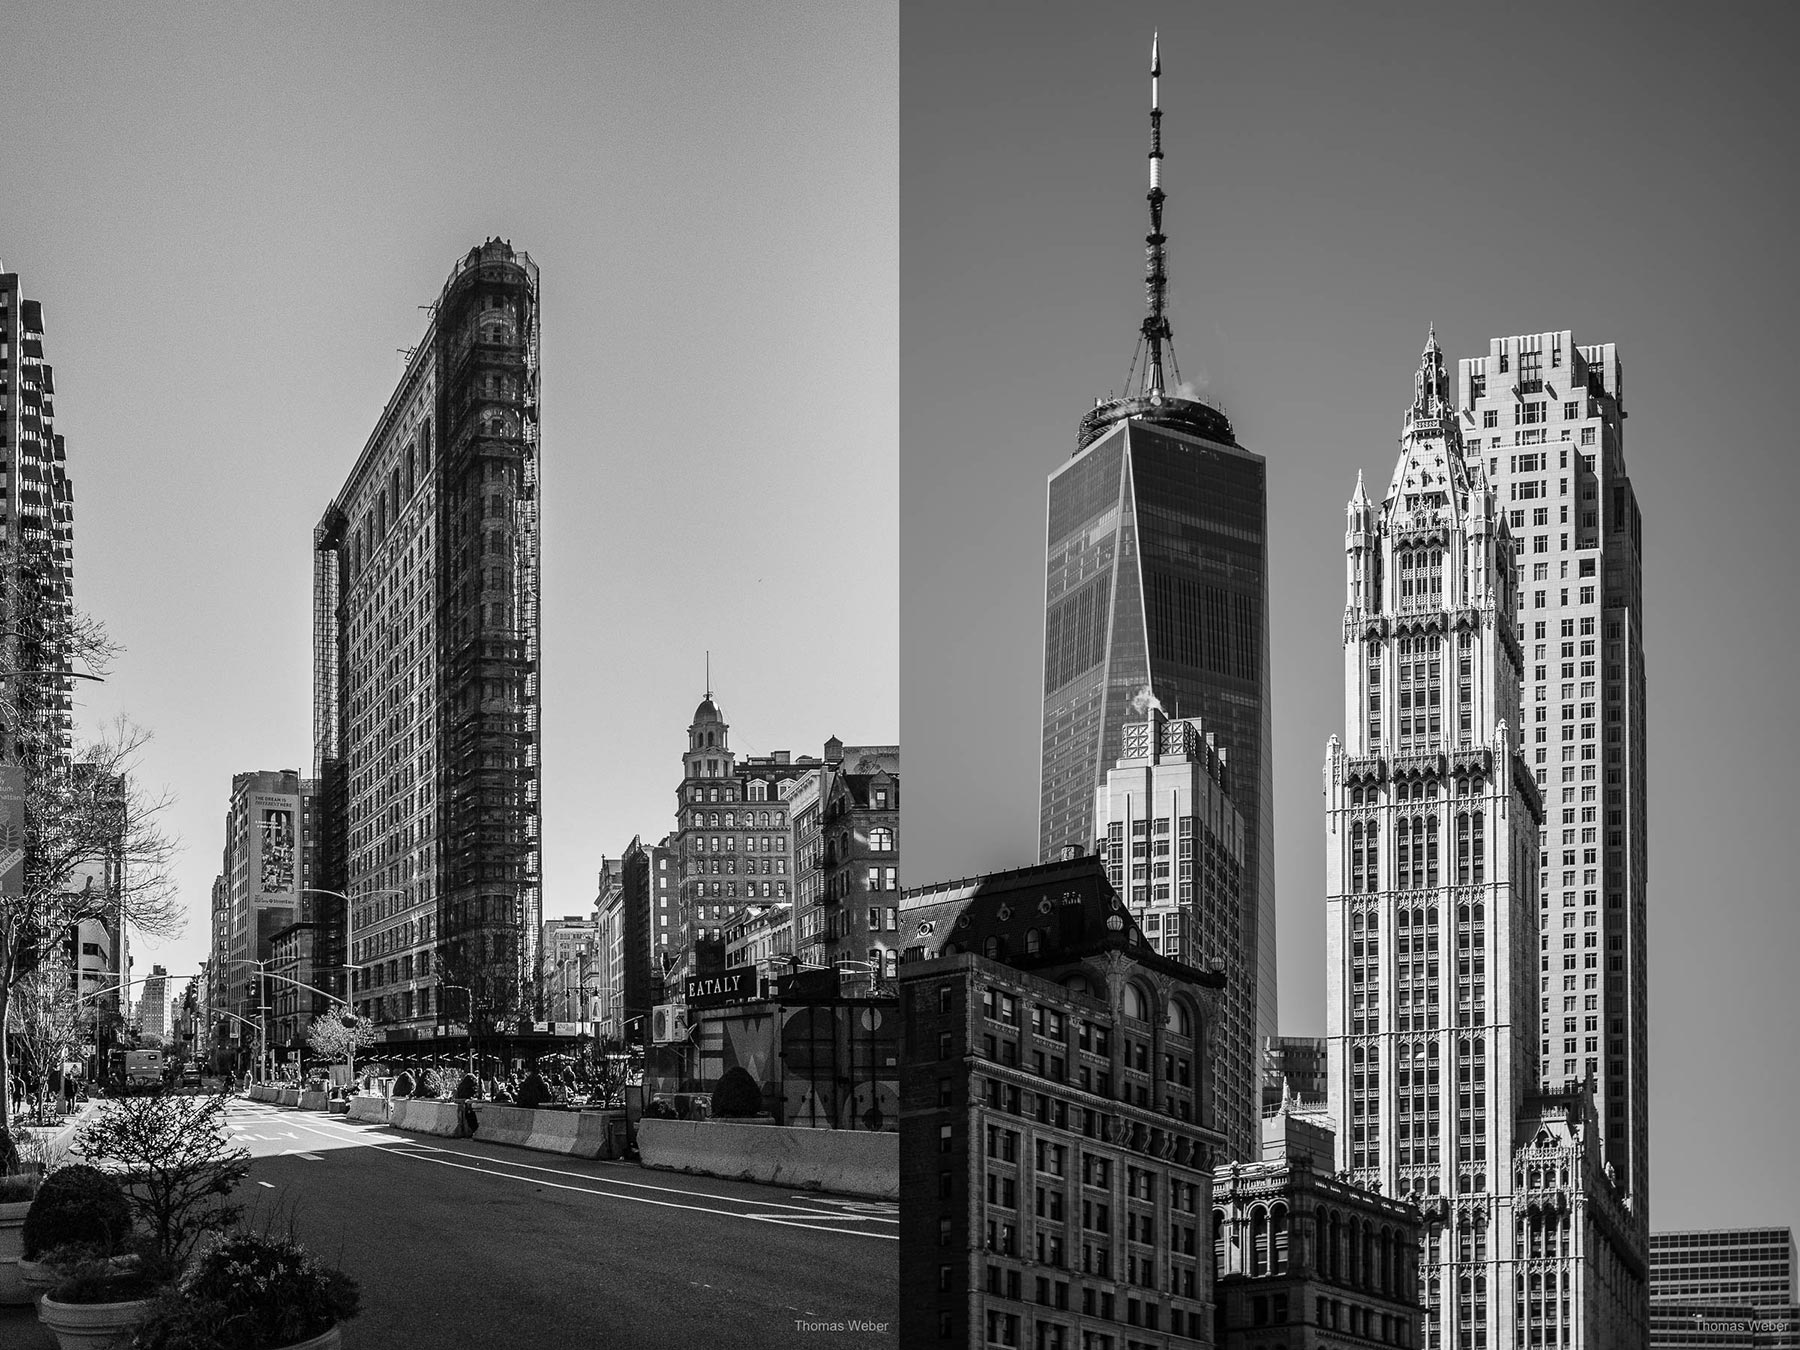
{"points": [[1548, 418], [1156, 592], [425, 666], [1432, 993], [1173, 845], [37, 536], [153, 1006], [266, 868]]}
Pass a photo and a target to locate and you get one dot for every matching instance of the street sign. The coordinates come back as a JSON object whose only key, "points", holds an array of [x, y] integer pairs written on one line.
{"points": [[737, 985]]}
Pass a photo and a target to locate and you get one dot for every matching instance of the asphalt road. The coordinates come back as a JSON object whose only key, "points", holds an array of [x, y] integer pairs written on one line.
{"points": [[459, 1243]]}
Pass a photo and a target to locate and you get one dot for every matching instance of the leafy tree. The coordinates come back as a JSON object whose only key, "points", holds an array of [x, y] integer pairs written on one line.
{"points": [[177, 1163], [339, 1035]]}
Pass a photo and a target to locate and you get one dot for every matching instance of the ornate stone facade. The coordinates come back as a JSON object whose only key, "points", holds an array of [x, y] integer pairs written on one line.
{"points": [[1303, 1257], [1432, 902]]}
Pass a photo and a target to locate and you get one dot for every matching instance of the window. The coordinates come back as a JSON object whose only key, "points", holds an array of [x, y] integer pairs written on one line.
{"points": [[881, 840]]}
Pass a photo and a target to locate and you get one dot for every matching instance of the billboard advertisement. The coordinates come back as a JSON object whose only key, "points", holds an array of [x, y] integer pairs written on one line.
{"points": [[273, 818]]}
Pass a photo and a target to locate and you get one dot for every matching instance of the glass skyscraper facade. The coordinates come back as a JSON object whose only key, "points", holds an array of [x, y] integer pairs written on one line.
{"points": [[1156, 592]]}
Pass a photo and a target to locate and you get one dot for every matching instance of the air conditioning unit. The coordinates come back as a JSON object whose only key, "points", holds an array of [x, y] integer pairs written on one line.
{"points": [[668, 1023]]}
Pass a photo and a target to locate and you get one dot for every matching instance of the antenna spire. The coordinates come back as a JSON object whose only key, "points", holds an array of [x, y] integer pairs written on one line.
{"points": [[1155, 330], [709, 672]]}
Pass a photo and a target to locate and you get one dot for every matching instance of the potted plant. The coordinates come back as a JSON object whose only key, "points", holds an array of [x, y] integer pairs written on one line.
{"points": [[19, 1181], [76, 1208], [252, 1293], [99, 1296]]}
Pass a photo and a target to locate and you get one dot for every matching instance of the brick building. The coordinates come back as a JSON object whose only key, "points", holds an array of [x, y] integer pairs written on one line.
{"points": [[1057, 1119]]}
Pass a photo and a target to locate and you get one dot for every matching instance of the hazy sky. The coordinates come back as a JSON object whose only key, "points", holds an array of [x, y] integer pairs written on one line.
{"points": [[1340, 176], [232, 215]]}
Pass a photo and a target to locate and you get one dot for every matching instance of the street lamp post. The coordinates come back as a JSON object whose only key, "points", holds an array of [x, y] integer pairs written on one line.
{"points": [[470, 993]]}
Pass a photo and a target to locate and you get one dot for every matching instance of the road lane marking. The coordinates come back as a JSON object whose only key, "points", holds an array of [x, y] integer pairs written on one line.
{"points": [[310, 1157], [269, 1184], [807, 1209], [619, 1181], [425, 1156]]}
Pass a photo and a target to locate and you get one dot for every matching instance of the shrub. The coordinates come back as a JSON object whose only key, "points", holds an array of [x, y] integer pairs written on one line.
{"points": [[88, 1274], [430, 1084], [9, 1153], [467, 1087], [178, 1162], [77, 1205], [404, 1085], [737, 1094], [249, 1292]]}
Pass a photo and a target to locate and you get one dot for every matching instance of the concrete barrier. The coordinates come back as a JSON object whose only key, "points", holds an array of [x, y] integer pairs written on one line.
{"points": [[287, 1096], [579, 1134], [314, 1101], [428, 1115], [852, 1162], [498, 1123], [369, 1108]]}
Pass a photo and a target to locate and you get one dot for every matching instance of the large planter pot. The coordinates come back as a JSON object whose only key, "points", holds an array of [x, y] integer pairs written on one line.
{"points": [[92, 1326], [12, 1225], [36, 1276]]}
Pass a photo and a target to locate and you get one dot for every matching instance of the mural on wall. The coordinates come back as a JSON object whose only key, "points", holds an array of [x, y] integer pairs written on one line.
{"points": [[827, 1065]]}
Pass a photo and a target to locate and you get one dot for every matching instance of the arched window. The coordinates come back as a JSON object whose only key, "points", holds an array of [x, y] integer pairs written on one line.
{"points": [[1373, 878], [1181, 1020], [1278, 1240], [881, 839], [731, 820], [1356, 857], [1259, 1241], [1431, 851], [1135, 1003], [1034, 941]]}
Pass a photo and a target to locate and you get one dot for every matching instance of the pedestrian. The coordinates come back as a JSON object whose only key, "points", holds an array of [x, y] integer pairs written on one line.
{"points": [[18, 1094], [68, 1086]]}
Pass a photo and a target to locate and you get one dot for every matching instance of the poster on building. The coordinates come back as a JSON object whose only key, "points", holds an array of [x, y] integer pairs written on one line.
{"points": [[277, 850]]}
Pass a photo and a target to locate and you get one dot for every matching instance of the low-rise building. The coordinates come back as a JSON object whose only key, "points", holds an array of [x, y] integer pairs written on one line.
{"points": [[1721, 1287], [1305, 1258]]}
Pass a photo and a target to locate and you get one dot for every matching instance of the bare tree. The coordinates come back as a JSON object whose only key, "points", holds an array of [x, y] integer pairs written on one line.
{"points": [[47, 1024], [94, 849]]}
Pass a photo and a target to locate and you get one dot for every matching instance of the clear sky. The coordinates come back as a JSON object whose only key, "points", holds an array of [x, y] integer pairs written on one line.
{"points": [[1339, 177], [233, 214]]}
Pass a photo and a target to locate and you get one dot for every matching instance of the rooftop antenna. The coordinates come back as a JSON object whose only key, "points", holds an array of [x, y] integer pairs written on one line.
{"points": [[709, 673], [1155, 333]]}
